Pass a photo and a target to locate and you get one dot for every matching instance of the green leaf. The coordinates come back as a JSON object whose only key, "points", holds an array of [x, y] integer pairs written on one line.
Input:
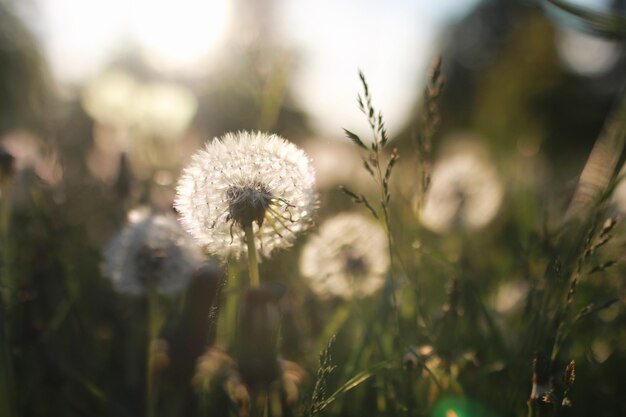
{"points": [[349, 385]]}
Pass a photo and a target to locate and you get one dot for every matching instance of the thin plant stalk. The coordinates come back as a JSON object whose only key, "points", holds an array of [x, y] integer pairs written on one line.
{"points": [[153, 330], [259, 403], [7, 387], [231, 301], [253, 264], [6, 286], [6, 372], [390, 240], [386, 221], [231, 293], [339, 318], [373, 164]]}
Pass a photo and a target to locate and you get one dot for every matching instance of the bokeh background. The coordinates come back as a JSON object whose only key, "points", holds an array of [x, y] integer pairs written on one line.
{"points": [[102, 104]]}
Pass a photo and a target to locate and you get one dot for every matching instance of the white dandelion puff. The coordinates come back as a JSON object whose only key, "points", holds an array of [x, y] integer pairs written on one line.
{"points": [[464, 192], [151, 253], [348, 257], [246, 180]]}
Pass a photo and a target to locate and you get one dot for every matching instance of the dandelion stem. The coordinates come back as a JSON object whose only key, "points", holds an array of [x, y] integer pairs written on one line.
{"points": [[153, 329], [231, 301], [253, 264]]}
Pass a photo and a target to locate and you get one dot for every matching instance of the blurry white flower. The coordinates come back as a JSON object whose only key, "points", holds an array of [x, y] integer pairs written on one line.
{"points": [[348, 257], [246, 178], [586, 54], [151, 253], [464, 192]]}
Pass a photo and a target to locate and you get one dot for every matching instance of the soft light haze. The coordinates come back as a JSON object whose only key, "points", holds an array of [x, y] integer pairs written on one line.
{"points": [[392, 42]]}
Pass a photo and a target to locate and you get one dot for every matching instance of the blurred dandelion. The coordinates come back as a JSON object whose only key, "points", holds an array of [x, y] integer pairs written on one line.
{"points": [[347, 258], [246, 180], [152, 253], [464, 192], [586, 54]]}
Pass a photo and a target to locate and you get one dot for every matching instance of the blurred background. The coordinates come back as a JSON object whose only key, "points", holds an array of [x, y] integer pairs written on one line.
{"points": [[103, 102], [527, 77]]}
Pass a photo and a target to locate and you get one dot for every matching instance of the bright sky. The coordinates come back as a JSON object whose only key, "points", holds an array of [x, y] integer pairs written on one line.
{"points": [[81, 36], [391, 41]]}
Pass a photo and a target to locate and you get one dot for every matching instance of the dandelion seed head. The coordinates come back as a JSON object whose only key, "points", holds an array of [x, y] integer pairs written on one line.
{"points": [[464, 192], [152, 252], [243, 178], [347, 258], [248, 204]]}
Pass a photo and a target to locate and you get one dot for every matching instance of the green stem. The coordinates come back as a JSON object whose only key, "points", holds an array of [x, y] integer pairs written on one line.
{"points": [[6, 284], [334, 325], [8, 405], [253, 264], [231, 302], [390, 243], [6, 371], [259, 402], [153, 331]]}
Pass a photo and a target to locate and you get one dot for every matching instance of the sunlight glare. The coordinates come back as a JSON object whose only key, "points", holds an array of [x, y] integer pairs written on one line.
{"points": [[79, 36], [181, 33]]}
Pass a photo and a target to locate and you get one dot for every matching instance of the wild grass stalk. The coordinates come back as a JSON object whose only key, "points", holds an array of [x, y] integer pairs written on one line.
{"points": [[429, 121], [373, 164], [585, 230], [7, 291], [154, 320], [7, 386]]}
